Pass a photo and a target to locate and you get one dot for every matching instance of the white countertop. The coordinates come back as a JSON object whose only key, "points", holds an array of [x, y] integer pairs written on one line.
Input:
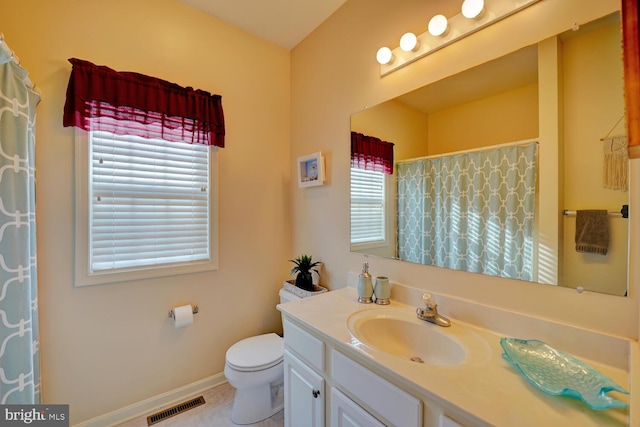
{"points": [[488, 388]]}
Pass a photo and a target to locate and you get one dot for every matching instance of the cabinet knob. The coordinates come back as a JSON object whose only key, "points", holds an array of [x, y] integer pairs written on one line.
{"points": [[316, 393]]}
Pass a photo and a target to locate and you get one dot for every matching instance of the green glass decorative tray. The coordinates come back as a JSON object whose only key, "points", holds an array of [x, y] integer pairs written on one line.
{"points": [[558, 373]]}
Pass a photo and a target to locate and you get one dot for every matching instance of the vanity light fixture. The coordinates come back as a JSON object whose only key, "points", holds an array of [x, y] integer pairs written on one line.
{"points": [[475, 15], [438, 26], [384, 56], [473, 9], [409, 42]]}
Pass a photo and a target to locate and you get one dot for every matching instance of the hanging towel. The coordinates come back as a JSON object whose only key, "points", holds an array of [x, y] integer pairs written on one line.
{"points": [[616, 163], [592, 231]]}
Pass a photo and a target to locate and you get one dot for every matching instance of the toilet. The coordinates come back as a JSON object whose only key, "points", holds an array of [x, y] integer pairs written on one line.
{"points": [[254, 367]]}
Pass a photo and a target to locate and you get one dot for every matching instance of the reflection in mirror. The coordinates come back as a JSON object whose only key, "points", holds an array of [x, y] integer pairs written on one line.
{"points": [[473, 117]]}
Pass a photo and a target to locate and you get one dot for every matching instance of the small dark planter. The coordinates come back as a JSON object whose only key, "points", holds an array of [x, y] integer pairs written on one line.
{"points": [[304, 281]]}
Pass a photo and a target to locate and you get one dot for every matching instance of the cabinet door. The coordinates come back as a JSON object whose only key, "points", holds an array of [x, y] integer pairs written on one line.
{"points": [[303, 394], [448, 422], [389, 402], [346, 413]]}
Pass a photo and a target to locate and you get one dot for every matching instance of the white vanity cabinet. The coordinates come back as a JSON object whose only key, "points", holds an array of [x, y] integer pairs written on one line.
{"points": [[357, 384], [304, 394], [448, 422], [321, 382], [346, 413], [304, 385], [398, 407]]}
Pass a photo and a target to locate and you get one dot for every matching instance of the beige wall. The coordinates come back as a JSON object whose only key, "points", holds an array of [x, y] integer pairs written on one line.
{"points": [[395, 122], [334, 74], [107, 346], [506, 117], [497, 119]]}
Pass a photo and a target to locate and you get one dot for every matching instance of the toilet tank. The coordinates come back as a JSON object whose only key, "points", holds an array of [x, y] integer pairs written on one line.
{"points": [[286, 296]]}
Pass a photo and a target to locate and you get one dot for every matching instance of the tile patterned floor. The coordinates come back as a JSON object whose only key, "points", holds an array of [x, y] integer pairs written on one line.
{"points": [[216, 412]]}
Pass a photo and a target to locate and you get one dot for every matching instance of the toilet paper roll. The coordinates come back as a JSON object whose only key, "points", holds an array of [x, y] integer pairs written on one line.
{"points": [[182, 316]]}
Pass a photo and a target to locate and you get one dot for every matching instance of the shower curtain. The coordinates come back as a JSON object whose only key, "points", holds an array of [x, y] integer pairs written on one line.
{"points": [[19, 340], [471, 211]]}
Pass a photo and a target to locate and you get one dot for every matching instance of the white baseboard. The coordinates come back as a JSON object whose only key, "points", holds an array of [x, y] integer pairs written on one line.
{"points": [[155, 403]]}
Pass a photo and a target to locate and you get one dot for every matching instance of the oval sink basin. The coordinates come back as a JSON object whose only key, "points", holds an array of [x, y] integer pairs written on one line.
{"points": [[397, 332]]}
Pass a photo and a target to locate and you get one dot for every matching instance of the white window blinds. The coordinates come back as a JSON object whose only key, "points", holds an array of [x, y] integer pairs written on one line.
{"points": [[149, 202], [367, 206]]}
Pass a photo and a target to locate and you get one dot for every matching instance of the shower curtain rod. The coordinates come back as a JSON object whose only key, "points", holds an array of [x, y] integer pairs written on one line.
{"points": [[5, 47], [471, 150]]}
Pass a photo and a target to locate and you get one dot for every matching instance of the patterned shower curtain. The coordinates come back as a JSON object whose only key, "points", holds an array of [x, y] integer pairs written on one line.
{"points": [[471, 211], [19, 340]]}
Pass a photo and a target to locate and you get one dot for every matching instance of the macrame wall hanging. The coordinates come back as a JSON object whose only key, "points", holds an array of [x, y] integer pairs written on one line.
{"points": [[616, 161]]}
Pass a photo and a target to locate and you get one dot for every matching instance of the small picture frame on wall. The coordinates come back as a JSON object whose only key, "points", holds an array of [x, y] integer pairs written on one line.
{"points": [[311, 170]]}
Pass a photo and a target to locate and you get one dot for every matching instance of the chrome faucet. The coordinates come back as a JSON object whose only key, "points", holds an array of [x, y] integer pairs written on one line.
{"points": [[430, 312]]}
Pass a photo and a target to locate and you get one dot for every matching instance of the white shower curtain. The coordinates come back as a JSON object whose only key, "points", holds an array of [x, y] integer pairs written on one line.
{"points": [[19, 340]]}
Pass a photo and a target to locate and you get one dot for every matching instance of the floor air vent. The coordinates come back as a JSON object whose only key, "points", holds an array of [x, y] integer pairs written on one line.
{"points": [[174, 410]]}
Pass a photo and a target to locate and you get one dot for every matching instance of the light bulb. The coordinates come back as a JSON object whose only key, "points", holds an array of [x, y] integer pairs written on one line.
{"points": [[384, 55], [473, 9], [408, 42], [438, 25]]}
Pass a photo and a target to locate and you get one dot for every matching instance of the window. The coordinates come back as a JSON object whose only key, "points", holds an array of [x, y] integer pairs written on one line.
{"points": [[368, 219], [148, 208], [146, 168], [371, 163]]}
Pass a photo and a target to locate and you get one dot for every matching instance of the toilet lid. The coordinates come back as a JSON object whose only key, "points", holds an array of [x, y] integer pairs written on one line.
{"points": [[256, 353]]}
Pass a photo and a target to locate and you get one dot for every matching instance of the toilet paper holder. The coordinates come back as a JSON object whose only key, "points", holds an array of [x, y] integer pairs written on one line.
{"points": [[194, 308]]}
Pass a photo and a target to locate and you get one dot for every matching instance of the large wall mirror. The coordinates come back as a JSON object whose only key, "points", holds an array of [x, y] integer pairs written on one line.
{"points": [[489, 116]]}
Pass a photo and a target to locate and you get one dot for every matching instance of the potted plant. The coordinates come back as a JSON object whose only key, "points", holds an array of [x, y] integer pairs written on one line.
{"points": [[304, 269]]}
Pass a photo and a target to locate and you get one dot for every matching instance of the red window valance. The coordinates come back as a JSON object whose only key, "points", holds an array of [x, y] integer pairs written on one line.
{"points": [[99, 98], [370, 153]]}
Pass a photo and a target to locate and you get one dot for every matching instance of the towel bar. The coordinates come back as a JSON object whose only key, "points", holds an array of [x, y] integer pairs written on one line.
{"points": [[624, 212]]}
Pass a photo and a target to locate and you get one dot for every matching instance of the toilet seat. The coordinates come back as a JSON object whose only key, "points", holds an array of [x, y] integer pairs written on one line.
{"points": [[256, 353]]}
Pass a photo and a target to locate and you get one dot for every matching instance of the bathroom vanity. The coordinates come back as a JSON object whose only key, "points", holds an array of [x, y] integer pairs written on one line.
{"points": [[350, 364]]}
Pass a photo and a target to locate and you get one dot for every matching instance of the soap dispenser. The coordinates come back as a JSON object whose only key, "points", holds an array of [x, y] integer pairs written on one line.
{"points": [[365, 286]]}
